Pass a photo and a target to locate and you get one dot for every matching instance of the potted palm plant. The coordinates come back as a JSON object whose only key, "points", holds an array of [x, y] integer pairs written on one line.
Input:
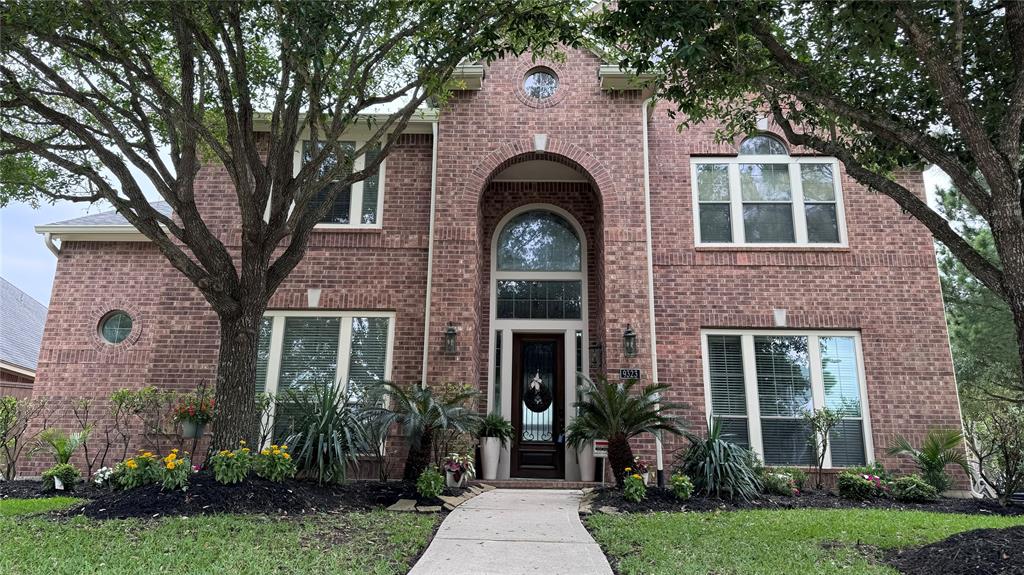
{"points": [[494, 432], [618, 413]]}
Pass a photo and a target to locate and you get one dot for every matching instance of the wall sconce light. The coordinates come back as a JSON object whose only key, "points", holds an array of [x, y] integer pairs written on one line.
{"points": [[449, 339], [596, 357], [629, 341]]}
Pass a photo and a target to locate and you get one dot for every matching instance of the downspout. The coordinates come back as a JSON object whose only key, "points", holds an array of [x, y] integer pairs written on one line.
{"points": [[650, 284], [48, 240], [430, 254]]}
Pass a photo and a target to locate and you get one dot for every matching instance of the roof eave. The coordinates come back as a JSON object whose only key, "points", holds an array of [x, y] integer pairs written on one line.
{"points": [[120, 233], [613, 77], [420, 121]]}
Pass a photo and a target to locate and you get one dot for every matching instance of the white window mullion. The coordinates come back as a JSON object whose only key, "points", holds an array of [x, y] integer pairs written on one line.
{"points": [[344, 350], [273, 372], [817, 383], [753, 404], [799, 213], [736, 204], [355, 206]]}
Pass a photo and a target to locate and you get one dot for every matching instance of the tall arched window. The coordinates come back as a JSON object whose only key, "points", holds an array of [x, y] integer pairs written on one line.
{"points": [[538, 268]]}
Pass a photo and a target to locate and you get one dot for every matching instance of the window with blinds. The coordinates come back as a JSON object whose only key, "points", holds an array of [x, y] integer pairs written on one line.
{"points": [[359, 203], [784, 375], [728, 391], [302, 352]]}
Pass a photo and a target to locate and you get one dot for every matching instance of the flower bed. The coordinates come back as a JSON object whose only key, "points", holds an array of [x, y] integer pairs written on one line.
{"points": [[661, 499], [989, 551]]}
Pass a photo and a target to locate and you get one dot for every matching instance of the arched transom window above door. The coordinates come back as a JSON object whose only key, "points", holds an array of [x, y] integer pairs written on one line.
{"points": [[538, 241], [539, 268]]}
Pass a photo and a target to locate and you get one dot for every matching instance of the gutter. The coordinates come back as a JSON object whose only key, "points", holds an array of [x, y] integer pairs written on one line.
{"points": [[48, 240], [430, 255], [650, 282]]}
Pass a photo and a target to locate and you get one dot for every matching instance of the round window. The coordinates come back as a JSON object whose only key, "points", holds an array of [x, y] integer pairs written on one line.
{"points": [[540, 83], [115, 327]]}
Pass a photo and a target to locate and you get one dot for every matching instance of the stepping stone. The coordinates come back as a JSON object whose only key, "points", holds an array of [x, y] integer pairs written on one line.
{"points": [[486, 487], [453, 501], [428, 509], [475, 490], [609, 510], [403, 505]]}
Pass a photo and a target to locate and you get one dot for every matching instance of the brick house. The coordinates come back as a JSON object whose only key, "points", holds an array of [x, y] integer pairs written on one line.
{"points": [[546, 219]]}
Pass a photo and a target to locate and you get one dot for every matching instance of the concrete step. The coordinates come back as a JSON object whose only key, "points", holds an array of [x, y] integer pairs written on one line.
{"points": [[535, 483]]}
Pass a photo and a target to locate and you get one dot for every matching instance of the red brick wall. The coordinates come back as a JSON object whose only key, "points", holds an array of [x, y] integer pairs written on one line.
{"points": [[884, 284]]}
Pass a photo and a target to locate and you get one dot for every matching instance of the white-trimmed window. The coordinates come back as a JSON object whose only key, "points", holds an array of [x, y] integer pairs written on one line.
{"points": [[758, 384], [765, 197], [299, 349], [357, 205]]}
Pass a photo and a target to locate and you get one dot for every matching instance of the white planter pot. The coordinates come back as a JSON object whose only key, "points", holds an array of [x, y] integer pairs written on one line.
{"points": [[586, 459], [450, 479], [490, 453]]}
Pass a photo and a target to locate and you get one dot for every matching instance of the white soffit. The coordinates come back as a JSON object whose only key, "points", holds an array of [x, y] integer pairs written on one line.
{"points": [[539, 170]]}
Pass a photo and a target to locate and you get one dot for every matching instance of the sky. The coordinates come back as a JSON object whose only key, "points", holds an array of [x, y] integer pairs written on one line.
{"points": [[28, 264]]}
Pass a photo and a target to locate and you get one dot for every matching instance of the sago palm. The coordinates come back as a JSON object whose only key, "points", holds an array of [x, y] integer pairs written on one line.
{"points": [[421, 414], [616, 413], [63, 445], [941, 447]]}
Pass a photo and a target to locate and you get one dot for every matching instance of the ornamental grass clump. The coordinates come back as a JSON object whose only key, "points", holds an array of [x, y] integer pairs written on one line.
{"points": [[231, 466], [274, 464], [633, 487]]}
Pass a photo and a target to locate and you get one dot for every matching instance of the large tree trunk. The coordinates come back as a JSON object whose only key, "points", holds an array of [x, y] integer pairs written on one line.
{"points": [[620, 456], [419, 457], [235, 413], [1007, 225]]}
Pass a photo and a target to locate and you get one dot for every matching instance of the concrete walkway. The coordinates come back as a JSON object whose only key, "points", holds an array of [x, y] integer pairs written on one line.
{"points": [[514, 531]]}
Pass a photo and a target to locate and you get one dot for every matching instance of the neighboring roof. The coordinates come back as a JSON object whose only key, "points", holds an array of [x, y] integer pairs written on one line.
{"points": [[105, 219], [21, 327]]}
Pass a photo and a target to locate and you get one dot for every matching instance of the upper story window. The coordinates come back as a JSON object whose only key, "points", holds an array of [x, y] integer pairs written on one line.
{"points": [[764, 196], [540, 83], [359, 204]]}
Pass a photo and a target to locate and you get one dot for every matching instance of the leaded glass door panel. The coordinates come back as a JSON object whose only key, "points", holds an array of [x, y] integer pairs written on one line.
{"points": [[538, 393]]}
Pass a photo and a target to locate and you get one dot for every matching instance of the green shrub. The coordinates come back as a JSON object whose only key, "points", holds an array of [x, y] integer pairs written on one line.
{"points": [[796, 475], [876, 469], [860, 487], [682, 487], [430, 484], [274, 464], [67, 473], [941, 447], [633, 488], [720, 468], [913, 489], [778, 482], [231, 466]]}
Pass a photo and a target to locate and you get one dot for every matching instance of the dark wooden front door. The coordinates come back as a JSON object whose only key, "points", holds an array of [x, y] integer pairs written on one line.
{"points": [[538, 405]]}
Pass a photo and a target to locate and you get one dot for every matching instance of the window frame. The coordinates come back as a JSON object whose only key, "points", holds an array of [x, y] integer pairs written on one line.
{"points": [[797, 202], [355, 206], [278, 318], [753, 416]]}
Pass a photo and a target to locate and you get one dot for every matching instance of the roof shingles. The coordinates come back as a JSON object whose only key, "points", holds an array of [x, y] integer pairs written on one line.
{"points": [[21, 326]]}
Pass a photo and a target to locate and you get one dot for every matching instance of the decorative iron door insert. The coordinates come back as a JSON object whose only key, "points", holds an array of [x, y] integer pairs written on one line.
{"points": [[538, 405]]}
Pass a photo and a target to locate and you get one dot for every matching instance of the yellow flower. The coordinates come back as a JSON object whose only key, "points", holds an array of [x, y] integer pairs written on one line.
{"points": [[637, 476], [130, 464], [273, 447], [147, 454], [230, 454], [245, 450], [171, 457], [265, 452], [174, 450], [241, 442], [283, 447], [287, 456], [628, 469], [171, 465], [277, 452]]}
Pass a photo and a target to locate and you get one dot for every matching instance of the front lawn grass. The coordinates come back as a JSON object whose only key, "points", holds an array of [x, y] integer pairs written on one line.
{"points": [[12, 507], [375, 542], [766, 542]]}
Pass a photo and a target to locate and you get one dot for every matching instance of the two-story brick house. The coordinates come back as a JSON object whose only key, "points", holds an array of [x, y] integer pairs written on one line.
{"points": [[545, 219]]}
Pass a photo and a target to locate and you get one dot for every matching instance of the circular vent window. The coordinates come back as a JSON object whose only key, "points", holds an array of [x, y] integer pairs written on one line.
{"points": [[115, 327], [540, 83]]}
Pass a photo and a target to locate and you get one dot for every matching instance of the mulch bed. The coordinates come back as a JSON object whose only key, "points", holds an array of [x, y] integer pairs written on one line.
{"points": [[30, 489], [978, 552], [206, 496], [659, 499]]}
